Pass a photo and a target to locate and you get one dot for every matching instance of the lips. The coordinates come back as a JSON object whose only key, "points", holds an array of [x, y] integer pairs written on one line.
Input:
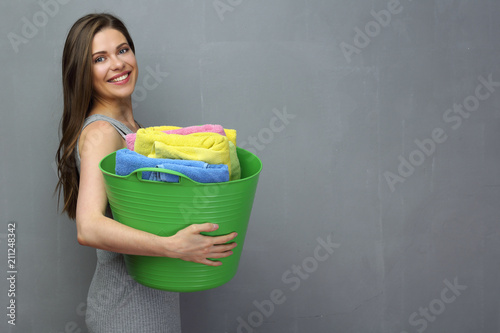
{"points": [[120, 78]]}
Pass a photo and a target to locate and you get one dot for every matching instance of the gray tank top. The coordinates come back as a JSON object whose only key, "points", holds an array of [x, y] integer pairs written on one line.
{"points": [[116, 303]]}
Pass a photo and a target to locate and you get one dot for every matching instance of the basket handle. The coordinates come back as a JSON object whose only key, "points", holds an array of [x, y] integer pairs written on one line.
{"points": [[182, 177]]}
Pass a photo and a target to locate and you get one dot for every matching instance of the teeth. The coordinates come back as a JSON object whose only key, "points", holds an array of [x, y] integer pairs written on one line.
{"points": [[121, 78]]}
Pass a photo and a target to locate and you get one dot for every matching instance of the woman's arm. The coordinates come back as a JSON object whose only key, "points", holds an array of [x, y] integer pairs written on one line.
{"points": [[96, 230]]}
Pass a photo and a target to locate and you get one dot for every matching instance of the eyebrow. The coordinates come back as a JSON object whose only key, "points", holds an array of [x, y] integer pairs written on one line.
{"points": [[103, 52]]}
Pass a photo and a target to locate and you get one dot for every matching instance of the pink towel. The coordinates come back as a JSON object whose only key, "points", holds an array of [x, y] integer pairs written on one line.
{"points": [[130, 138]]}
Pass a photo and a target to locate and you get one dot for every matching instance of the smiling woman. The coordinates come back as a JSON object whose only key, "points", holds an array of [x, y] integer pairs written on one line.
{"points": [[99, 76], [114, 66]]}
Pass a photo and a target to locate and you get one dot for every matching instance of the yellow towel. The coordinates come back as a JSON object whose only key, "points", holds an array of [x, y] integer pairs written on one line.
{"points": [[235, 172], [161, 149], [163, 128], [230, 133], [208, 147]]}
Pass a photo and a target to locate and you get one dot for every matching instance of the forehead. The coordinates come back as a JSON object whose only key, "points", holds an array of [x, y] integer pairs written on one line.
{"points": [[107, 39]]}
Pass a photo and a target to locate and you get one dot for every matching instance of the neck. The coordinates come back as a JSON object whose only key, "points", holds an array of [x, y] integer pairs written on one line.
{"points": [[120, 110]]}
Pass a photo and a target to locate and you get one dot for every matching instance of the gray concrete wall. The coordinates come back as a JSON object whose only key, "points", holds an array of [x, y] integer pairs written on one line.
{"points": [[378, 123]]}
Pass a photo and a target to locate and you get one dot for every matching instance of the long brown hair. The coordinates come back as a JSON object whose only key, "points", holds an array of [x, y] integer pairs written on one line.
{"points": [[78, 97]]}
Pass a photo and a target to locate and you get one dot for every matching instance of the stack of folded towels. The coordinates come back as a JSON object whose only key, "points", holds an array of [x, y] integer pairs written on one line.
{"points": [[206, 154]]}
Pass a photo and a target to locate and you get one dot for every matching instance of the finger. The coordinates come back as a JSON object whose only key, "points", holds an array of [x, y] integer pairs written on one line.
{"points": [[224, 247], [210, 262], [220, 255], [204, 227], [225, 238]]}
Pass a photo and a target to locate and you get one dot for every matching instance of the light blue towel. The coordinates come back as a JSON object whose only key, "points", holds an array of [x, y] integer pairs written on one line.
{"points": [[127, 161]]}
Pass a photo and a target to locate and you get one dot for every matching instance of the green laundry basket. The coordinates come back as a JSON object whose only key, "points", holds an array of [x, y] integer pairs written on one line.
{"points": [[164, 208]]}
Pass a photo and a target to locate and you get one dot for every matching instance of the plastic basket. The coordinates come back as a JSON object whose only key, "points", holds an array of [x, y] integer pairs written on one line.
{"points": [[164, 208]]}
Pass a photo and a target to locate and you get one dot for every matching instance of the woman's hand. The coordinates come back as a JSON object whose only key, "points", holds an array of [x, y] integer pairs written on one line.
{"points": [[189, 245]]}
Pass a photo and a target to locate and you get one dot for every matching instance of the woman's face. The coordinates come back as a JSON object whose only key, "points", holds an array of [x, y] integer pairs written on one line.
{"points": [[114, 67]]}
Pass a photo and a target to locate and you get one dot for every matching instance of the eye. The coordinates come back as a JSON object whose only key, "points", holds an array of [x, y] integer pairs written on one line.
{"points": [[124, 50], [98, 59]]}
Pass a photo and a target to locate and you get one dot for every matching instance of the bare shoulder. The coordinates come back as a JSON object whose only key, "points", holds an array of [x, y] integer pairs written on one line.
{"points": [[99, 128], [100, 138]]}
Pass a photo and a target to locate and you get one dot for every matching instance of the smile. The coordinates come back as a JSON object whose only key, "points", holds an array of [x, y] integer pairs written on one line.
{"points": [[120, 78]]}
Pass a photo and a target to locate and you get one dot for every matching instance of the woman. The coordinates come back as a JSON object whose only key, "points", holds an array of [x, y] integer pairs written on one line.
{"points": [[99, 74]]}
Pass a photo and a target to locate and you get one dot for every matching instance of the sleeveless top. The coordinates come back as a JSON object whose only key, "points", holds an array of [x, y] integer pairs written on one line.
{"points": [[116, 303]]}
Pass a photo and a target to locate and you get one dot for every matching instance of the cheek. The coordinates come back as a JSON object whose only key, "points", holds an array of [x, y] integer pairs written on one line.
{"points": [[133, 62], [98, 73], [130, 59]]}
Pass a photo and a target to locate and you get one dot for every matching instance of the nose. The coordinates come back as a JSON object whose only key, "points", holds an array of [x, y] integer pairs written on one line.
{"points": [[116, 63]]}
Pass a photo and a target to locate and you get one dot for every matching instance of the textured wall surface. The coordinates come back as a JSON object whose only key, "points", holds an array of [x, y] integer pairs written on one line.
{"points": [[378, 123]]}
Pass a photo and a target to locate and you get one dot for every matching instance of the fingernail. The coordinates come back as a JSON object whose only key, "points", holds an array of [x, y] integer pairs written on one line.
{"points": [[216, 226]]}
